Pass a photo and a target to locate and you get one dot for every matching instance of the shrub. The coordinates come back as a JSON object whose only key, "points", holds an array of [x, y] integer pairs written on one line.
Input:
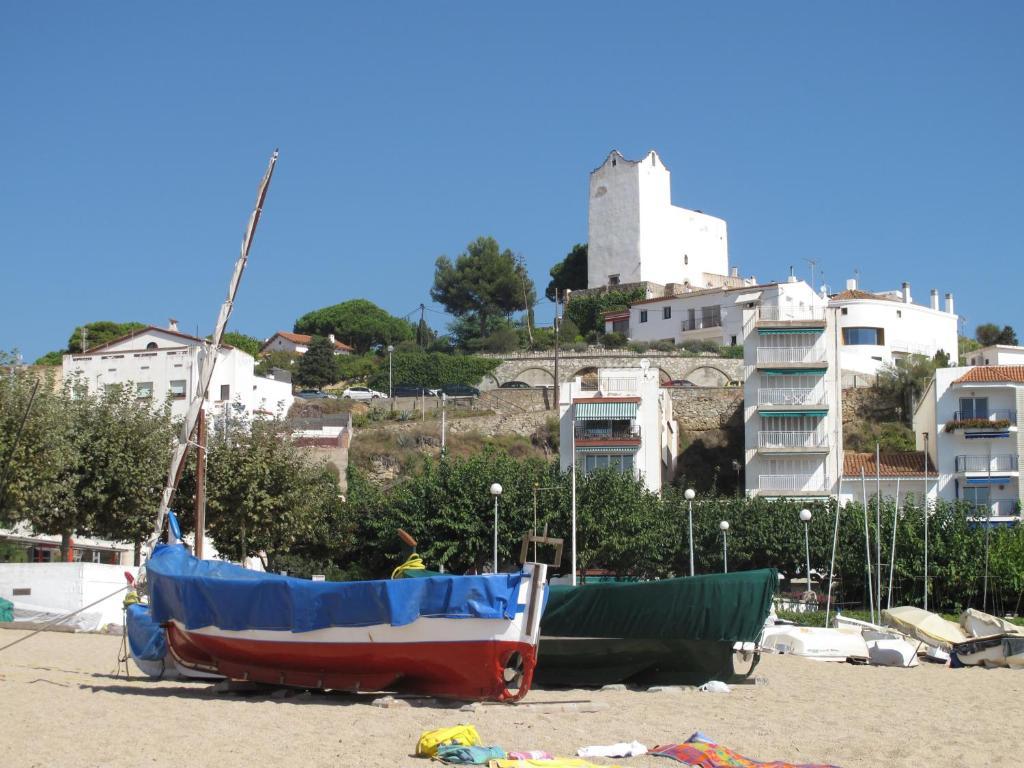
{"points": [[613, 340]]}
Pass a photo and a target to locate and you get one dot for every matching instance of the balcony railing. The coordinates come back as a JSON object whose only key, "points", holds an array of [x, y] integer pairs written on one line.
{"points": [[801, 439], [782, 314], [792, 396], [812, 354], [998, 508], [1000, 463], [792, 483], [616, 432], [697, 323], [995, 415], [609, 385]]}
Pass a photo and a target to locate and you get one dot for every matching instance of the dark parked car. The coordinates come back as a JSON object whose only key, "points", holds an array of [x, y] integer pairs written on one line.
{"points": [[514, 385], [460, 390], [312, 394], [411, 390]]}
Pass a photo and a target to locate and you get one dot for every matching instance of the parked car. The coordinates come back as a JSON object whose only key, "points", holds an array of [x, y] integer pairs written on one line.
{"points": [[312, 394], [412, 390], [361, 393], [514, 385], [460, 390]]}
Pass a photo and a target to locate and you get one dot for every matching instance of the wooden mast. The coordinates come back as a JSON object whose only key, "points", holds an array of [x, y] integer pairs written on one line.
{"points": [[208, 358]]}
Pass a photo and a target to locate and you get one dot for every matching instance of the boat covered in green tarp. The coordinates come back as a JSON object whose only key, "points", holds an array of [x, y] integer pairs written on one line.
{"points": [[667, 632]]}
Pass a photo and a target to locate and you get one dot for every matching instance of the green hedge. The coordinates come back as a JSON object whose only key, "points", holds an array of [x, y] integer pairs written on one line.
{"points": [[433, 369]]}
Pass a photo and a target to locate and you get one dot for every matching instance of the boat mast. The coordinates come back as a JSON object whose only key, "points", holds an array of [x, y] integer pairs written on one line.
{"points": [[209, 359]]}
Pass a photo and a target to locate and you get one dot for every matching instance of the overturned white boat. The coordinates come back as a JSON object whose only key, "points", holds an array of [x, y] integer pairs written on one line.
{"points": [[818, 643]]}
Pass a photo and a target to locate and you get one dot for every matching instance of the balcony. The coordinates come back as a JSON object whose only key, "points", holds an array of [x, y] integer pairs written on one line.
{"points": [[777, 314], [793, 484], [987, 464], [774, 440], [616, 434], [792, 396], [792, 356], [699, 323], [997, 508], [610, 385], [994, 422]]}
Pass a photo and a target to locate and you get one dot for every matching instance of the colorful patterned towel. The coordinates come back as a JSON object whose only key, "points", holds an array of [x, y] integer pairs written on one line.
{"points": [[701, 752]]}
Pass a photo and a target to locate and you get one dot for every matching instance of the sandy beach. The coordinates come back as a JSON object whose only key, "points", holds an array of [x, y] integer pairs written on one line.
{"points": [[61, 704]]}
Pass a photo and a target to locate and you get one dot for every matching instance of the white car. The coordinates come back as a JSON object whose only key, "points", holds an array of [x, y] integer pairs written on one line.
{"points": [[361, 393]]}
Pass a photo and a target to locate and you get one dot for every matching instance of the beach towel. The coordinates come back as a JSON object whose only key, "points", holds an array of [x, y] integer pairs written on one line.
{"points": [[700, 752], [557, 762], [622, 749], [458, 754], [531, 754]]}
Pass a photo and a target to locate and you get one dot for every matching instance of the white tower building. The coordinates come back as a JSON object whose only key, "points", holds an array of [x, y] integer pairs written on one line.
{"points": [[637, 235]]}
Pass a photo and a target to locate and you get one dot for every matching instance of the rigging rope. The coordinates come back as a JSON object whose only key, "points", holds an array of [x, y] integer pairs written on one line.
{"points": [[413, 563]]}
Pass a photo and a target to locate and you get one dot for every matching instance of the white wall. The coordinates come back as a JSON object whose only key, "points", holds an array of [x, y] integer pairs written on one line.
{"points": [[851, 490], [908, 328], [636, 233], [997, 354], [59, 588]]}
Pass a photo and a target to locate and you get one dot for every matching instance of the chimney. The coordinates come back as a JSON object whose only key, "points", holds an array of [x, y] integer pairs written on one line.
{"points": [[172, 325], [906, 293], [949, 303], [735, 272], [851, 284], [935, 299]]}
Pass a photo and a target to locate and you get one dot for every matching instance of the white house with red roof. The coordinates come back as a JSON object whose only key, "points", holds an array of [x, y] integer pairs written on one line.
{"points": [[163, 362], [968, 422], [896, 475], [298, 344]]}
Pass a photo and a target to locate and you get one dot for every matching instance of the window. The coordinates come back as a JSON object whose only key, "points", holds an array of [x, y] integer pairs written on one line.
{"points": [[733, 342], [845, 311], [613, 279], [864, 336], [151, 345], [978, 497], [111, 389], [899, 313], [686, 260], [710, 317], [643, 315], [619, 462], [973, 407], [225, 391], [666, 313], [620, 326], [177, 389], [144, 390]]}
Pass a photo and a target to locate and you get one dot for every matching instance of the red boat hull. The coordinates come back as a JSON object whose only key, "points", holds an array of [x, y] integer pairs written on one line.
{"points": [[494, 670]]}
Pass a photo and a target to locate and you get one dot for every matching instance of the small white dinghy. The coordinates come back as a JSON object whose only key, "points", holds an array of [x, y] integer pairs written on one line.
{"points": [[818, 643], [887, 647]]}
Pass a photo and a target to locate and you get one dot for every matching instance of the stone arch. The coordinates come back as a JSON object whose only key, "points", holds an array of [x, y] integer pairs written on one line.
{"points": [[664, 377], [708, 376], [588, 375], [489, 381], [535, 376]]}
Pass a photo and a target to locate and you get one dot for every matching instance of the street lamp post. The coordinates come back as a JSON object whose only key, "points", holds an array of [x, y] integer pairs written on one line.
{"points": [[805, 516], [391, 389], [689, 494], [496, 492], [724, 525]]}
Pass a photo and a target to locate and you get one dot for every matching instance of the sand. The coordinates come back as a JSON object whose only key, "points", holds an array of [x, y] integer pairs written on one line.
{"points": [[60, 704]]}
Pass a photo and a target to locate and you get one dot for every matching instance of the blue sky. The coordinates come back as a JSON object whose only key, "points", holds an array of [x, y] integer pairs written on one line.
{"points": [[882, 137]]}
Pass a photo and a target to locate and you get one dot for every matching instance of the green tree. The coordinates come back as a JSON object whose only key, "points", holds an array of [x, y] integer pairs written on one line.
{"points": [[359, 323], [278, 358], [56, 357], [248, 344], [988, 334], [100, 332], [570, 272], [318, 367], [901, 384], [484, 282]]}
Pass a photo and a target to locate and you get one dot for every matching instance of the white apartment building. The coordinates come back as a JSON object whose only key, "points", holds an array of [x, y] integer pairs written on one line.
{"points": [[637, 235], [878, 329], [996, 354], [968, 417], [714, 314], [792, 401], [163, 362], [619, 418]]}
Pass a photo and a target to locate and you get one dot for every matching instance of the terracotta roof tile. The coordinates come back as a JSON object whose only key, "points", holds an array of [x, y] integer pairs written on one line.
{"points": [[858, 294], [301, 338], [989, 374], [908, 464]]}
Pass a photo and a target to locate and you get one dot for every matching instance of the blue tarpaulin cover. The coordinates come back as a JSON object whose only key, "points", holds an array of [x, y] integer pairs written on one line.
{"points": [[145, 636], [201, 593]]}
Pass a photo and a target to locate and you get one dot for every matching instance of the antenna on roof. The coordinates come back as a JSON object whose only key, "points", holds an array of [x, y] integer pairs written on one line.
{"points": [[813, 263]]}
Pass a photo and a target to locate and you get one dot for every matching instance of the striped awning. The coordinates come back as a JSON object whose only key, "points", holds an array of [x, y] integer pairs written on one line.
{"points": [[617, 449], [599, 410], [787, 331], [821, 414], [793, 372]]}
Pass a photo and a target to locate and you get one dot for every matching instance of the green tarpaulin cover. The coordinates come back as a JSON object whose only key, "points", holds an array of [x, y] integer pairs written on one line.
{"points": [[728, 607], [6, 610]]}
